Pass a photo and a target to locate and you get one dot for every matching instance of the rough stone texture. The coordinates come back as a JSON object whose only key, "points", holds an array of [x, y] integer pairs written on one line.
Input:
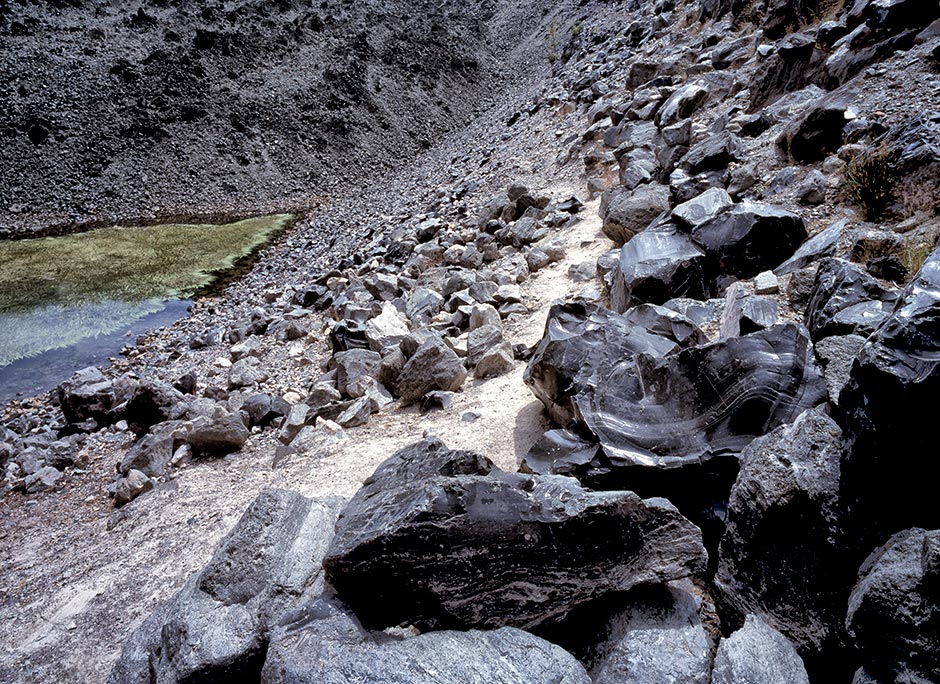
{"points": [[434, 366], [86, 395], [758, 654], [438, 538], [321, 644], [657, 265], [894, 610], [217, 626], [217, 436], [356, 369], [630, 212], [750, 238], [836, 355], [888, 406], [796, 574], [649, 635], [154, 402]]}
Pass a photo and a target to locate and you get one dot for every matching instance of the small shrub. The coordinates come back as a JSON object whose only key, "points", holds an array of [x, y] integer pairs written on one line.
{"points": [[868, 182]]}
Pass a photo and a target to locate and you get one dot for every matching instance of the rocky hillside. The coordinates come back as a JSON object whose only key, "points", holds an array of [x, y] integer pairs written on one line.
{"points": [[118, 111], [628, 381]]}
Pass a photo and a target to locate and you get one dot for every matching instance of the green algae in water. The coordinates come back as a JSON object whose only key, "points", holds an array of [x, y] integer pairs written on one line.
{"points": [[57, 291]]}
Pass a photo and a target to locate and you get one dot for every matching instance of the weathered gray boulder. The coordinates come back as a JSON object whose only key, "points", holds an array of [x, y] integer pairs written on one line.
{"points": [[533, 547], [758, 654], [628, 213], [657, 265], [217, 627], [887, 408], [262, 409], [217, 436], [714, 153], [816, 133], [356, 369], [894, 610], [154, 402], [322, 644], [152, 453], [797, 575], [434, 366], [824, 243], [750, 238], [88, 394], [651, 634]]}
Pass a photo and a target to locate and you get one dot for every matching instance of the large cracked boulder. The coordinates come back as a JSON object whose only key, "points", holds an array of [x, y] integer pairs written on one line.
{"points": [[796, 575], [218, 626], [648, 635], [846, 300], [894, 610], [700, 402], [758, 654], [322, 644], [750, 238], [628, 212], [887, 407], [433, 367], [444, 539], [578, 337], [657, 265], [87, 395], [154, 402]]}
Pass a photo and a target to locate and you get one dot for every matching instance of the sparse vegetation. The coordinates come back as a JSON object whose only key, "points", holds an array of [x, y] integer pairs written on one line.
{"points": [[869, 180]]}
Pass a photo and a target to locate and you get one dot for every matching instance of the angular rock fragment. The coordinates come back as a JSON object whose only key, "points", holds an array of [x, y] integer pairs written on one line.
{"points": [[823, 244], [702, 208], [894, 610], [817, 133], [217, 436], [750, 238], [758, 654], [888, 406], [528, 548], [88, 394], [433, 366], [667, 323], [630, 212], [648, 635], [657, 265], [217, 626], [321, 644], [154, 402], [356, 369], [796, 575], [846, 300]]}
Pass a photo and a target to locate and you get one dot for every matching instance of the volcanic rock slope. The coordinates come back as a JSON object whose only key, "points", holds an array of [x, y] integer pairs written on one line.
{"points": [[630, 380], [158, 109]]}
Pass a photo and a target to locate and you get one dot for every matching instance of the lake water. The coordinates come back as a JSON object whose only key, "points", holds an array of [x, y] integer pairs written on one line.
{"points": [[74, 301]]}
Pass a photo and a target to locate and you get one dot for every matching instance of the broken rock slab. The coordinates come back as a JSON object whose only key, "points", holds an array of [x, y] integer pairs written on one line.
{"points": [[444, 539], [323, 644], [758, 654], [217, 626]]}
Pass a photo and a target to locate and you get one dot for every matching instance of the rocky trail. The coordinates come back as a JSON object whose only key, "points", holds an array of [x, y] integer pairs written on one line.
{"points": [[624, 379]]}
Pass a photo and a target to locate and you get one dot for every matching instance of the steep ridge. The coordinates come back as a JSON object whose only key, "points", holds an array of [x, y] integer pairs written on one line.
{"points": [[169, 109]]}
